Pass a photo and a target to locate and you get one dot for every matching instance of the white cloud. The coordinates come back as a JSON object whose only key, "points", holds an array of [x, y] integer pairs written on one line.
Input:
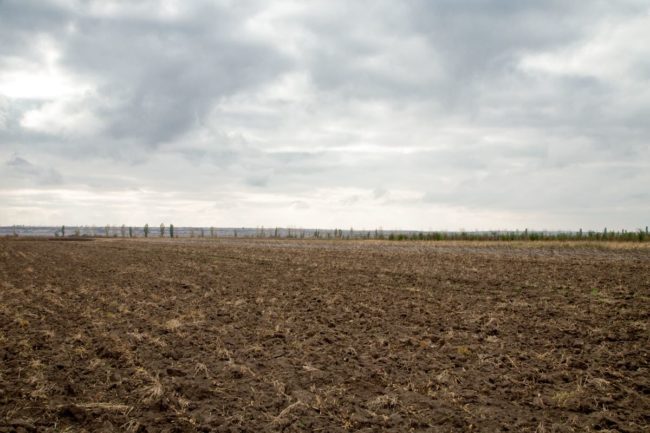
{"points": [[62, 117], [614, 52], [40, 77]]}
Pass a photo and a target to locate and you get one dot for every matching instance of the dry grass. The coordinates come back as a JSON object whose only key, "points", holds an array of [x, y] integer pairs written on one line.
{"points": [[383, 402], [153, 390], [105, 406], [280, 418], [201, 368], [132, 426], [173, 325]]}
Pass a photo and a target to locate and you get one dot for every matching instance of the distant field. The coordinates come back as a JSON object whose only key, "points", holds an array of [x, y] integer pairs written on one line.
{"points": [[237, 335], [636, 236]]}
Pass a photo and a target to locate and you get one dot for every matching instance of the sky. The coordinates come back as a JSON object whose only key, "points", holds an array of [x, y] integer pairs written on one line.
{"points": [[424, 115]]}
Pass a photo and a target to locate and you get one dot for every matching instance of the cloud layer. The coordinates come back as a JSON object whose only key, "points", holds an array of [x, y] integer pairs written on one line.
{"points": [[416, 114]]}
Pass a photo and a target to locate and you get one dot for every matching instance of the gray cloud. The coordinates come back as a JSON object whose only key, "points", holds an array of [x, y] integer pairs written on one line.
{"points": [[401, 114], [29, 173]]}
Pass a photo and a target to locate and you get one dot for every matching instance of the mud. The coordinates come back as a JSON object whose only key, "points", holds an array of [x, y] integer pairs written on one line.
{"points": [[246, 335]]}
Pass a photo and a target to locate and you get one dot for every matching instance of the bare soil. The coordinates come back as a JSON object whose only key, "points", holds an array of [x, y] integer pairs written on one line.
{"points": [[258, 335]]}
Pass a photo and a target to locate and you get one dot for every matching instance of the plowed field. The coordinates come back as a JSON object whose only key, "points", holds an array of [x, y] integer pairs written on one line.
{"points": [[291, 335]]}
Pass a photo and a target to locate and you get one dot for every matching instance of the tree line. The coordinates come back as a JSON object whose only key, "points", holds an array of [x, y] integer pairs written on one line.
{"points": [[170, 231]]}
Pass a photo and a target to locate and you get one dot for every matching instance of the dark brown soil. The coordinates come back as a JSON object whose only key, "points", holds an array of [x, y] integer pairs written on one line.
{"points": [[246, 335]]}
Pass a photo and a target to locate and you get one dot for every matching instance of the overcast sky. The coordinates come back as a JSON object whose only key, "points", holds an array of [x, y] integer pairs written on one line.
{"points": [[442, 114]]}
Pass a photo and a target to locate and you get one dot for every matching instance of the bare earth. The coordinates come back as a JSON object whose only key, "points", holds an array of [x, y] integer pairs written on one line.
{"points": [[261, 335]]}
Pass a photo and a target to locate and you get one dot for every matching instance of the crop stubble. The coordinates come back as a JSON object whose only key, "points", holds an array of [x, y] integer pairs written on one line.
{"points": [[273, 335]]}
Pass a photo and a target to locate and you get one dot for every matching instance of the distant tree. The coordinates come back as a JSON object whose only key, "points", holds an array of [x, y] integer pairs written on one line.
{"points": [[146, 230], [171, 230], [202, 232], [123, 231], [130, 232], [235, 233], [162, 229], [62, 230], [211, 232], [191, 232], [107, 230]]}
